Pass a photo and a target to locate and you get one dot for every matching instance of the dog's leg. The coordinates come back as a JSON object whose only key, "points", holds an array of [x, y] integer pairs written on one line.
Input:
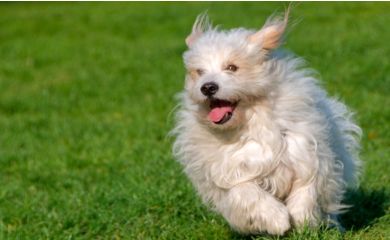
{"points": [[302, 201], [302, 204], [248, 208]]}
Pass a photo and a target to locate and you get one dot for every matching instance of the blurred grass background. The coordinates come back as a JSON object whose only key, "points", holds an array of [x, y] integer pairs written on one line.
{"points": [[86, 92]]}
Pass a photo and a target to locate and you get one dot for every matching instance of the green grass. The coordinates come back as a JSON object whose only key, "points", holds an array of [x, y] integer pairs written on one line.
{"points": [[86, 92]]}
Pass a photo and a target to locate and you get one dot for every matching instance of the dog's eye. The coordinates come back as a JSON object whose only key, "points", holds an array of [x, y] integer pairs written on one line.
{"points": [[232, 68], [200, 72]]}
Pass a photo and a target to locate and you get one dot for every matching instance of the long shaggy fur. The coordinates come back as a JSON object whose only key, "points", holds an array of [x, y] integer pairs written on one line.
{"points": [[288, 153]]}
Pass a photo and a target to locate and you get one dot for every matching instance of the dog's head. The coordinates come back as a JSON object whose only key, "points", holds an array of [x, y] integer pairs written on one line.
{"points": [[225, 69]]}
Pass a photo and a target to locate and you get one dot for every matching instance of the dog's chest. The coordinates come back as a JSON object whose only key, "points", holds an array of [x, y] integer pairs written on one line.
{"points": [[252, 160], [272, 174], [277, 183]]}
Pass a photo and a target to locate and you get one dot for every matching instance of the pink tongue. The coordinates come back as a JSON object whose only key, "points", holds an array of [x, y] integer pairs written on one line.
{"points": [[216, 114]]}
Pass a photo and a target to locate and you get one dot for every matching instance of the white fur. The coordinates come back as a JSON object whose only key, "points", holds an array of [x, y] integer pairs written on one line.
{"points": [[287, 156]]}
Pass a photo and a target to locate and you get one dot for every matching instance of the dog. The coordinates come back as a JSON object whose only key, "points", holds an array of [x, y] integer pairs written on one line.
{"points": [[259, 138]]}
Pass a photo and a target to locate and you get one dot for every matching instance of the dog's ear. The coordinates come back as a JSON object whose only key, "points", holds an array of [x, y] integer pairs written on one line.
{"points": [[270, 36], [201, 25]]}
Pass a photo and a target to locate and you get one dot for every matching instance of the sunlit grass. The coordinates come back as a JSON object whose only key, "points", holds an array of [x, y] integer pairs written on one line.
{"points": [[86, 92]]}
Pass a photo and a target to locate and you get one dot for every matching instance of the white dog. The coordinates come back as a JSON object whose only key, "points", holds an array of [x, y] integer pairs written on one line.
{"points": [[256, 134]]}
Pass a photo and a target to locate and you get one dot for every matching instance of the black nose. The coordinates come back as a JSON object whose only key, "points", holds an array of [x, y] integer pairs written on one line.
{"points": [[209, 89]]}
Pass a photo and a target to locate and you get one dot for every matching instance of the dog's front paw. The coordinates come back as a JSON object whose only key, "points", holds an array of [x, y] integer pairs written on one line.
{"points": [[301, 218], [303, 213], [277, 219], [268, 216], [250, 210]]}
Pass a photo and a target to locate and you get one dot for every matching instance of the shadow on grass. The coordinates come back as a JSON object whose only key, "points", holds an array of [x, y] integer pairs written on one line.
{"points": [[366, 207]]}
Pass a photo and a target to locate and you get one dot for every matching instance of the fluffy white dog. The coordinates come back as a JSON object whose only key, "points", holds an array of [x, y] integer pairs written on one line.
{"points": [[256, 134]]}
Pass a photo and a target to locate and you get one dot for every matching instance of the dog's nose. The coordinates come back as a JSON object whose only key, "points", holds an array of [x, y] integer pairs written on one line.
{"points": [[209, 89]]}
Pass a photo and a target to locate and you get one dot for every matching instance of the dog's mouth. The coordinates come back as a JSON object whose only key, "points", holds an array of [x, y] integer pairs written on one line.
{"points": [[221, 111]]}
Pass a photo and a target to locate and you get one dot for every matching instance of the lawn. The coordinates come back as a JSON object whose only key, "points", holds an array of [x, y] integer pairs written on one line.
{"points": [[86, 100]]}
